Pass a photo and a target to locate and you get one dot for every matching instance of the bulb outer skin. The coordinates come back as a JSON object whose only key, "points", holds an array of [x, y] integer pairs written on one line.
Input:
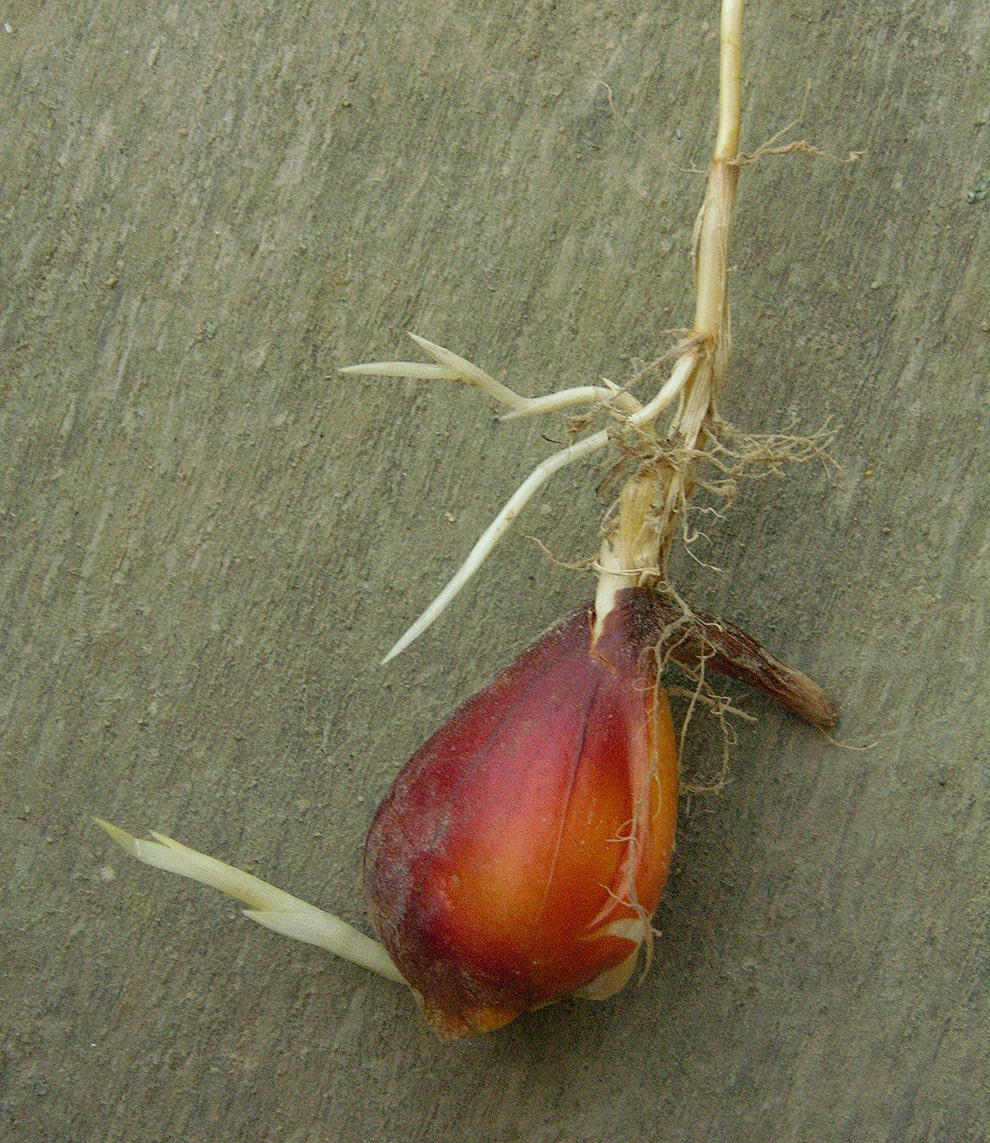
{"points": [[522, 850]]}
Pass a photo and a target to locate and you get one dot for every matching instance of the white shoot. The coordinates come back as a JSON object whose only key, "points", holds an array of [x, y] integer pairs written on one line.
{"points": [[271, 907]]}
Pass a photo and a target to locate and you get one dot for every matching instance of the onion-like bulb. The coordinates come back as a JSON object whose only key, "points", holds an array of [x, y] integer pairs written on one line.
{"points": [[522, 850]]}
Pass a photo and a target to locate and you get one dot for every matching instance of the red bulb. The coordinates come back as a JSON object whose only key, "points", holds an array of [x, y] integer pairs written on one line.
{"points": [[522, 850]]}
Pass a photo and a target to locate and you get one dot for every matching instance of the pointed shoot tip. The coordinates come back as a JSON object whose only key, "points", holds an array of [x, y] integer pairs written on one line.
{"points": [[125, 840]]}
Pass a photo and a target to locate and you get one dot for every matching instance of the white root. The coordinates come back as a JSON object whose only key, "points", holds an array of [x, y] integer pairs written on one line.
{"points": [[495, 531], [449, 367], [608, 393], [269, 906], [694, 383], [537, 478], [452, 367]]}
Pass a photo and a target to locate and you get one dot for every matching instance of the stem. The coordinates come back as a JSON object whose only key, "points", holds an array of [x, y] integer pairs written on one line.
{"points": [[711, 315], [730, 80], [705, 352], [636, 547]]}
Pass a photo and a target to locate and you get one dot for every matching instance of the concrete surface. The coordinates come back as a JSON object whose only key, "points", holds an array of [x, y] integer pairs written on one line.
{"points": [[209, 539]]}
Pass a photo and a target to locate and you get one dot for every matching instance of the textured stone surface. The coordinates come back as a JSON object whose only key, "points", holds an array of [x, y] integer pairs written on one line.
{"points": [[209, 539]]}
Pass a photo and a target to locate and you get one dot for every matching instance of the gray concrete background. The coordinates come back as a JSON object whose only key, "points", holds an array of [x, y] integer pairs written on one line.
{"points": [[209, 539]]}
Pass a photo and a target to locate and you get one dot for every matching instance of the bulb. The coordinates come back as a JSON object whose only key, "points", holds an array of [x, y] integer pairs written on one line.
{"points": [[521, 852]]}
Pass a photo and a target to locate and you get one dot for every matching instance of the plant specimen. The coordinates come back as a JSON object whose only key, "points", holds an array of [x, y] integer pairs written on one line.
{"points": [[520, 854]]}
